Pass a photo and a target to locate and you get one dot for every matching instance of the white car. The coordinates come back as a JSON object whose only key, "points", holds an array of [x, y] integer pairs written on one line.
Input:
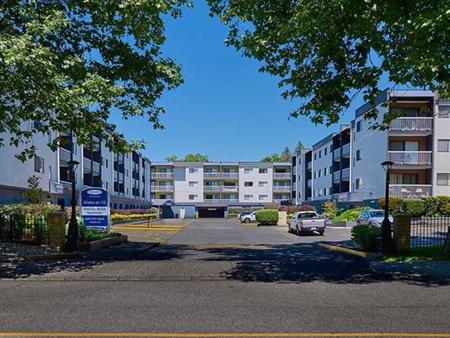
{"points": [[373, 217], [247, 218]]}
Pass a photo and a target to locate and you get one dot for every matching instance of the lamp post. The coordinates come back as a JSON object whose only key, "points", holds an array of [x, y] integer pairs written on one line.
{"points": [[387, 245], [73, 234]]}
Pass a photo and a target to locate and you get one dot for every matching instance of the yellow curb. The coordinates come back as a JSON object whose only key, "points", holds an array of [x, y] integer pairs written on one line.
{"points": [[212, 246], [345, 250]]}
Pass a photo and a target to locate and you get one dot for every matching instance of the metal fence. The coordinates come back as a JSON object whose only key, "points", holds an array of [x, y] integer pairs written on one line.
{"points": [[429, 231], [24, 229]]}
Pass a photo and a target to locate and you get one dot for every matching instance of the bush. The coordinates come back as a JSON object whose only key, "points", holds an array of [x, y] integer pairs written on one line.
{"points": [[90, 235], [267, 216], [119, 217], [444, 205], [395, 204], [350, 215], [152, 210], [414, 207], [330, 209], [366, 236]]}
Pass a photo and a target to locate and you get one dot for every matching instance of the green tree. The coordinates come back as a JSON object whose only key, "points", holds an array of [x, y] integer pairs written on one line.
{"points": [[285, 156], [196, 158], [172, 158], [35, 193], [326, 52], [68, 63], [299, 146]]}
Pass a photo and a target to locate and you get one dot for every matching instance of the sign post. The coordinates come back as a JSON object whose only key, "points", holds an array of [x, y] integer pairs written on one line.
{"points": [[95, 208]]}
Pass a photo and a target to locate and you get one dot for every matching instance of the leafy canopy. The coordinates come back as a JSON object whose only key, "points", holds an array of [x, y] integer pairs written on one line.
{"points": [[326, 51], [284, 156], [67, 64], [188, 158]]}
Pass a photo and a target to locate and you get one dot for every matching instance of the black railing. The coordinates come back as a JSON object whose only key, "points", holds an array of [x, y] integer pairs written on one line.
{"points": [[24, 229], [429, 231]]}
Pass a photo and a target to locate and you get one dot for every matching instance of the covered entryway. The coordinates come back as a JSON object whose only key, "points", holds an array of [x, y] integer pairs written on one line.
{"points": [[211, 212]]}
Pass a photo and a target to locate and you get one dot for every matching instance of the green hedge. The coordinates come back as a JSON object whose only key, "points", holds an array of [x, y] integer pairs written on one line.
{"points": [[350, 215], [426, 206], [267, 216], [118, 217], [366, 236]]}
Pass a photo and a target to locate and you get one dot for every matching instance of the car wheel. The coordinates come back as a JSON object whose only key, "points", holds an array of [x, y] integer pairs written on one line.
{"points": [[321, 233], [246, 220], [297, 231], [289, 228]]}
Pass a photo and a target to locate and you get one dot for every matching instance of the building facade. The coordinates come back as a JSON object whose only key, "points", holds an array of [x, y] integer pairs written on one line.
{"points": [[210, 188], [345, 166], [125, 176]]}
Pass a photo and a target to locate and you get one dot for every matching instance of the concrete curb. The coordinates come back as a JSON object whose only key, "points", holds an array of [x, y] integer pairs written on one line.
{"points": [[347, 250], [106, 242], [71, 255]]}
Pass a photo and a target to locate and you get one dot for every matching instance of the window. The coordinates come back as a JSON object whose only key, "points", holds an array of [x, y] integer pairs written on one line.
{"points": [[315, 156], [443, 145], [193, 183], [248, 184], [248, 197], [320, 171], [263, 170], [324, 171], [358, 126], [192, 197], [325, 151], [403, 178], [320, 153], [357, 183], [107, 185], [314, 174], [38, 164], [358, 155], [127, 172], [193, 170], [263, 183], [263, 197], [247, 170], [443, 179], [444, 111]]}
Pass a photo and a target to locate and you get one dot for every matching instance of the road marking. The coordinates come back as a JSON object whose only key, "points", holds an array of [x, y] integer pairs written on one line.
{"points": [[218, 246], [219, 334]]}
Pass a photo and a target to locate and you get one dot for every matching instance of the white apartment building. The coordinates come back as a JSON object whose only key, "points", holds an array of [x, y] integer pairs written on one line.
{"points": [[209, 188], [126, 177], [418, 142]]}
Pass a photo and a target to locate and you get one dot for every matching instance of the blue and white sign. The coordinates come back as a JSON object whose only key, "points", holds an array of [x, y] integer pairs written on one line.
{"points": [[95, 208]]}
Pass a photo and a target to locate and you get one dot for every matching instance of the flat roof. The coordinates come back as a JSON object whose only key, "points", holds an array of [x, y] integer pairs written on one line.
{"points": [[250, 163]]}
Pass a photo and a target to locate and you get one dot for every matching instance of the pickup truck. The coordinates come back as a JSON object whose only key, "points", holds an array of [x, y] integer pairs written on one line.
{"points": [[306, 221]]}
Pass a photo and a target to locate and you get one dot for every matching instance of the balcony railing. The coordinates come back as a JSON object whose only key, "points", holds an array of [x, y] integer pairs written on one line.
{"points": [[281, 188], [346, 174], [410, 190], [161, 201], [337, 154], [346, 150], [406, 124], [221, 201], [230, 188], [212, 188], [64, 155], [155, 175], [336, 176], [309, 183], [309, 166], [282, 176], [410, 157], [217, 175], [161, 188], [230, 175]]}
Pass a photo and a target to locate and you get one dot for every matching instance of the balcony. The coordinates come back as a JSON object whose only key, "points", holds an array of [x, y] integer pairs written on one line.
{"points": [[64, 155], [221, 201], [217, 175], [346, 174], [282, 176], [161, 188], [230, 188], [410, 158], [162, 201], [346, 150], [230, 175], [410, 190], [212, 188], [309, 166], [161, 176], [336, 177], [309, 183], [281, 188], [407, 125], [337, 154]]}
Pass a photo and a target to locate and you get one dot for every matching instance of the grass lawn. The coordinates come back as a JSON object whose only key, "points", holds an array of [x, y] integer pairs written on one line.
{"points": [[94, 235], [416, 254]]}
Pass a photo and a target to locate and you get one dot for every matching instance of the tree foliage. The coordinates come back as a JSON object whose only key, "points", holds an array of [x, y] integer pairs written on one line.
{"points": [[67, 64], [326, 51], [188, 158], [35, 193], [284, 156]]}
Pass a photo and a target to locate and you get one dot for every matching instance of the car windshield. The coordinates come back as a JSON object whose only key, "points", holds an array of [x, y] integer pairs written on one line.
{"points": [[245, 213], [307, 215], [378, 213]]}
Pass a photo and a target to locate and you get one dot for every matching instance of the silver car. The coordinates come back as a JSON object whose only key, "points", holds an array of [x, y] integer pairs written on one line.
{"points": [[373, 217]]}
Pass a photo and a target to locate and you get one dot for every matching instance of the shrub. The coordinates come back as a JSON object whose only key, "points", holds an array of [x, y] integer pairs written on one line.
{"points": [[330, 209], [366, 236], [414, 207], [395, 204], [267, 216], [90, 235], [444, 205], [152, 210], [432, 206], [119, 217], [290, 209], [350, 215]]}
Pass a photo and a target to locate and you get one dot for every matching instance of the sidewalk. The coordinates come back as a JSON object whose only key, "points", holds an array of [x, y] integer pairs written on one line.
{"points": [[433, 268]]}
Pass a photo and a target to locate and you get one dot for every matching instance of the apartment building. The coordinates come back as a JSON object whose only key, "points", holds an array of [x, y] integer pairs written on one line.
{"points": [[209, 188], [417, 142], [125, 176]]}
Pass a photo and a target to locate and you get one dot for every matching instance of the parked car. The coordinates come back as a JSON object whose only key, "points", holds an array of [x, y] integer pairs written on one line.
{"points": [[306, 221], [247, 216], [373, 217]]}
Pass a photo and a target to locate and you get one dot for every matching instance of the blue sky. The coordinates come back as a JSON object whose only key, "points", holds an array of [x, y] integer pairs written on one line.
{"points": [[225, 109]]}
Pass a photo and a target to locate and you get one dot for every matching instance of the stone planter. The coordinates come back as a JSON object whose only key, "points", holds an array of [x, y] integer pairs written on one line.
{"points": [[103, 243]]}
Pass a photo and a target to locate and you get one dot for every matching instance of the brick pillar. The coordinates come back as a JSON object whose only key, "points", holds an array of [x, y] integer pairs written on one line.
{"points": [[402, 233], [57, 229]]}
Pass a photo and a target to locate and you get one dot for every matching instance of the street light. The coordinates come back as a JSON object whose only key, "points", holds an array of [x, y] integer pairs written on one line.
{"points": [[73, 235], [386, 235]]}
